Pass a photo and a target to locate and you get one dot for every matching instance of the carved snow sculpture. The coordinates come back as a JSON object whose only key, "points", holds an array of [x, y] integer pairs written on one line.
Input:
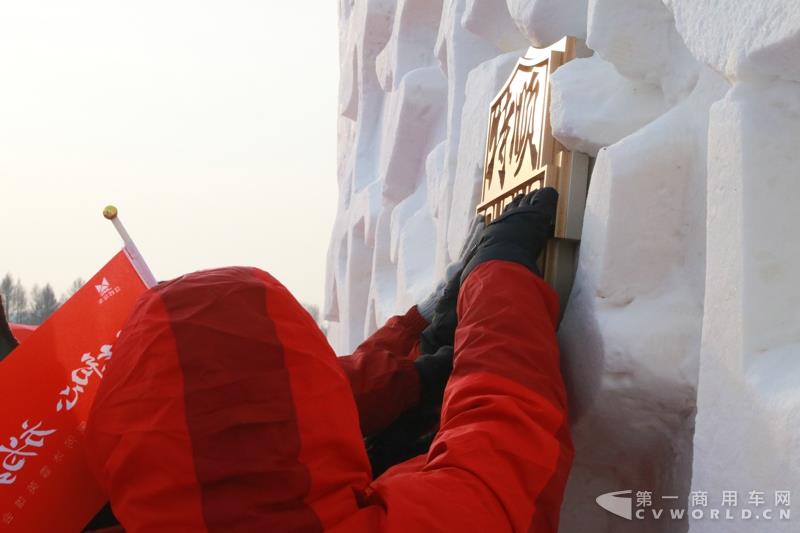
{"points": [[691, 109]]}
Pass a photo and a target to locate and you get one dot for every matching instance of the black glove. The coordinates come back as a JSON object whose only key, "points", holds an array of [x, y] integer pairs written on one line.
{"points": [[434, 370], [442, 329], [439, 309], [408, 436], [520, 233], [413, 431]]}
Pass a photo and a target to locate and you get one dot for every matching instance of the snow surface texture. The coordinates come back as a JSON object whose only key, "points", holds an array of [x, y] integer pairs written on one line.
{"points": [[685, 298]]}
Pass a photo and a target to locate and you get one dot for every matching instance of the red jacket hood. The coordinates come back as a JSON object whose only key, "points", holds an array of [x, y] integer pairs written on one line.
{"points": [[224, 408]]}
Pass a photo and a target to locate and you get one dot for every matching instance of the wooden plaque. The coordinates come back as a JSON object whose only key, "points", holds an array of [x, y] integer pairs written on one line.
{"points": [[522, 155]]}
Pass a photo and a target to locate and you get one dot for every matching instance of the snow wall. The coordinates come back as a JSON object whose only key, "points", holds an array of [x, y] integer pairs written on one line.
{"points": [[686, 300]]}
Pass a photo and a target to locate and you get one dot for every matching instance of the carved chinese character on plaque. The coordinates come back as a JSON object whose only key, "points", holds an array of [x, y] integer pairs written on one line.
{"points": [[522, 155]]}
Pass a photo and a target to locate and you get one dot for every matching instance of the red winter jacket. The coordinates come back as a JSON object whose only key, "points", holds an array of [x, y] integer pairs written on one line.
{"points": [[381, 371], [225, 409]]}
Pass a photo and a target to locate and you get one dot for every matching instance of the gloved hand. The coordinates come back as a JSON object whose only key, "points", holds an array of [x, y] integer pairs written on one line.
{"points": [[439, 309], [412, 433], [427, 306], [434, 370], [520, 233], [408, 436]]}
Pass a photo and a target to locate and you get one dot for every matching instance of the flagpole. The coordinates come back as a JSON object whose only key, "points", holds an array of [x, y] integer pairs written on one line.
{"points": [[112, 213]]}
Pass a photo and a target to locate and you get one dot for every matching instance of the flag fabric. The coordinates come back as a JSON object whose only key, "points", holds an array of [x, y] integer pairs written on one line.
{"points": [[48, 384], [21, 332]]}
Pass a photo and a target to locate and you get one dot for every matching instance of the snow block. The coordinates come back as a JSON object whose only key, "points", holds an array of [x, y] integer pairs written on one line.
{"points": [[749, 397], [414, 120], [742, 40], [491, 20], [483, 83], [545, 22], [630, 337], [592, 106], [639, 38], [411, 44]]}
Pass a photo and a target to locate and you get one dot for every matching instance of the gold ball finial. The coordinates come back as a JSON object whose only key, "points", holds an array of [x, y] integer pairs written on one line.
{"points": [[110, 212]]}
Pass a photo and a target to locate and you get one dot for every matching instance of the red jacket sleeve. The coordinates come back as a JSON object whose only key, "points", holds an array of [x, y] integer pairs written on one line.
{"points": [[501, 458], [381, 371]]}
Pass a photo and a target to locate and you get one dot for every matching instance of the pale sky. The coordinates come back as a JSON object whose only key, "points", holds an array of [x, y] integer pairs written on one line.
{"points": [[210, 124]]}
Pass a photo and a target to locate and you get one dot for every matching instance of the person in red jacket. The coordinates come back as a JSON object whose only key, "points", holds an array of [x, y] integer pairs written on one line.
{"points": [[225, 409], [7, 340]]}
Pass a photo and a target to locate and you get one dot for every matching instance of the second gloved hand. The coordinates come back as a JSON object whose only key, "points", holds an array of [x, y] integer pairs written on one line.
{"points": [[434, 371], [427, 307], [439, 309]]}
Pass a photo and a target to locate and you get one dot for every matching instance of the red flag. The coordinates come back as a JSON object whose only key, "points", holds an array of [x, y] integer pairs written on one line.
{"points": [[21, 332], [48, 385]]}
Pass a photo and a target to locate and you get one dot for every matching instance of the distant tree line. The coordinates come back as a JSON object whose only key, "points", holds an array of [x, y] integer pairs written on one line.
{"points": [[32, 306]]}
